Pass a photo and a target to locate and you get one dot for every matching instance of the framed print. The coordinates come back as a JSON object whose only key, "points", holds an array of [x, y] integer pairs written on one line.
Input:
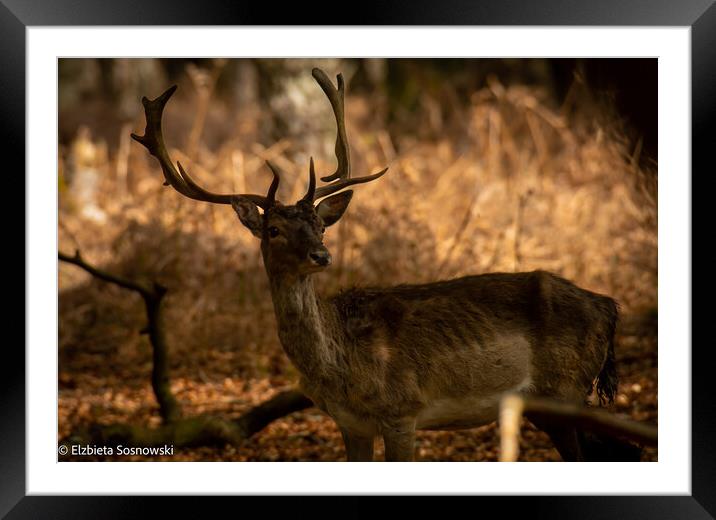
{"points": [[495, 247]]}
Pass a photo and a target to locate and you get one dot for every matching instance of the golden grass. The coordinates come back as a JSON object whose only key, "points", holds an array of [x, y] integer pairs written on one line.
{"points": [[520, 185]]}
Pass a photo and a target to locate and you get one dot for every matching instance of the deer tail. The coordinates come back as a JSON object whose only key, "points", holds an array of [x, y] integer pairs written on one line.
{"points": [[607, 379]]}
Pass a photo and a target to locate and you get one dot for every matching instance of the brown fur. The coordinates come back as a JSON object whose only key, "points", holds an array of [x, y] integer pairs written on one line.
{"points": [[437, 355]]}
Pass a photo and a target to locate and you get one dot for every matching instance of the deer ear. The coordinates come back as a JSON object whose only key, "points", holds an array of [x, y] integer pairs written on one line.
{"points": [[332, 208], [248, 214]]}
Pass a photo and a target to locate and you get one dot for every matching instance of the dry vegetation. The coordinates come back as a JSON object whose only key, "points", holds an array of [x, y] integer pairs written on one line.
{"points": [[517, 184]]}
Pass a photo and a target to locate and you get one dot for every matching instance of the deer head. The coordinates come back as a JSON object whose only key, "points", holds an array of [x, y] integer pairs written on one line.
{"points": [[291, 235]]}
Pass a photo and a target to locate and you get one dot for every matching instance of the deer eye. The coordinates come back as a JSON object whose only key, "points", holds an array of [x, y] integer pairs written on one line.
{"points": [[273, 231]]}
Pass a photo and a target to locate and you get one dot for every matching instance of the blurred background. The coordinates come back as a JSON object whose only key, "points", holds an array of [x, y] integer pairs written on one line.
{"points": [[495, 165]]}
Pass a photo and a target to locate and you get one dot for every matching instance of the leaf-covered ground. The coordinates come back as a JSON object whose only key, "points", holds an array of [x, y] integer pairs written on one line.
{"points": [[85, 399]]}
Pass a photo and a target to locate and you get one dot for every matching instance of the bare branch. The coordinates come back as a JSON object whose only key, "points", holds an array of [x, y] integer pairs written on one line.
{"points": [[596, 420], [152, 294], [278, 406], [145, 290], [199, 430]]}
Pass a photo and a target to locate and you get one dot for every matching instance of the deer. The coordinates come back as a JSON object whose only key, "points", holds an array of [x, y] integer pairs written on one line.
{"points": [[390, 361]]}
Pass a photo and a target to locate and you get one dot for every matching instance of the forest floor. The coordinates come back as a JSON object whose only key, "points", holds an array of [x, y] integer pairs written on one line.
{"points": [[119, 394], [503, 180]]}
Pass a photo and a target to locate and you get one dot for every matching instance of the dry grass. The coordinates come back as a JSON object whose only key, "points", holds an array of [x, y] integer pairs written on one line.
{"points": [[519, 186]]}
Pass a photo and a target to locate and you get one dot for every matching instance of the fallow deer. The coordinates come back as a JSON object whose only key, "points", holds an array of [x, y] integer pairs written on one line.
{"points": [[390, 361]]}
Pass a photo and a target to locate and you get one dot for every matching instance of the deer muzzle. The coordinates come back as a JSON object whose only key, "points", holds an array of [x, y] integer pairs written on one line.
{"points": [[320, 257]]}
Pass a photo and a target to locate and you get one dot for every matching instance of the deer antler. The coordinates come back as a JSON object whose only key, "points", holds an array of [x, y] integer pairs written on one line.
{"points": [[153, 141], [342, 175]]}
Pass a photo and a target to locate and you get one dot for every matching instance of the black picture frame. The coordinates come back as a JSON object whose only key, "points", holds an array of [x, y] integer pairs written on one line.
{"points": [[700, 15]]}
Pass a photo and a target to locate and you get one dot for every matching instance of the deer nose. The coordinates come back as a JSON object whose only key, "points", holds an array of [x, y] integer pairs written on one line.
{"points": [[322, 258]]}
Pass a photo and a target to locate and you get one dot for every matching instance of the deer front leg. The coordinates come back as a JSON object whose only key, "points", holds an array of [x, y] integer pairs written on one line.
{"points": [[358, 449], [400, 442]]}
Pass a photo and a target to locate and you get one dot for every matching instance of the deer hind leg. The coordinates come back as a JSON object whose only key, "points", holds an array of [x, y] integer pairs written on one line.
{"points": [[358, 449], [400, 442], [564, 438]]}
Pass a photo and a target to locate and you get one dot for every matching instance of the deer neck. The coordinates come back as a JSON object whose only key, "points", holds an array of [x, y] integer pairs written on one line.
{"points": [[302, 324]]}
